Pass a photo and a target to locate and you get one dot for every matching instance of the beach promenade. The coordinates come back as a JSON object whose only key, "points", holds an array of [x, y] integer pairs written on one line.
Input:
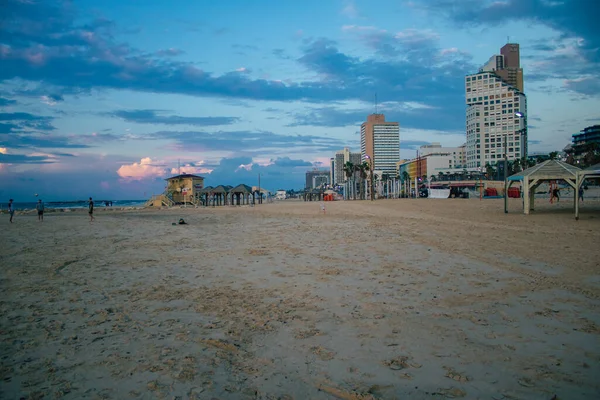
{"points": [[393, 299]]}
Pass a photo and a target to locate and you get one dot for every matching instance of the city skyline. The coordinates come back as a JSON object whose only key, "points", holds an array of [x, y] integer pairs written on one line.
{"points": [[111, 97]]}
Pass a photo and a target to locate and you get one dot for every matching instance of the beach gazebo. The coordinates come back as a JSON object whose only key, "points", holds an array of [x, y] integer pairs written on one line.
{"points": [[550, 170], [219, 195], [591, 172], [241, 192]]}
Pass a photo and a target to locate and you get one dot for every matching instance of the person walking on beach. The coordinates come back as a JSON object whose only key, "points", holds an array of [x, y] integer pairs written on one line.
{"points": [[40, 209], [91, 209], [11, 210], [555, 195]]}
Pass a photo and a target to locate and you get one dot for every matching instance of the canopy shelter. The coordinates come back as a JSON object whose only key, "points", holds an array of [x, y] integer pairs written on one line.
{"points": [[590, 172], [241, 192], [218, 195], [550, 170]]}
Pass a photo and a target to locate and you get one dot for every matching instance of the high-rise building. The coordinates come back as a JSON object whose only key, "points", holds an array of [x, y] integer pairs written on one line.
{"points": [[341, 158], [496, 111], [507, 65], [380, 140]]}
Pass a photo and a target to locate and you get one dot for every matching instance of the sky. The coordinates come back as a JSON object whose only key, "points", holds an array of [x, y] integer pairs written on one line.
{"points": [[107, 99]]}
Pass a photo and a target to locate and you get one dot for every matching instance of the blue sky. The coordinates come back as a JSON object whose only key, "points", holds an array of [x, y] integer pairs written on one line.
{"points": [[105, 98]]}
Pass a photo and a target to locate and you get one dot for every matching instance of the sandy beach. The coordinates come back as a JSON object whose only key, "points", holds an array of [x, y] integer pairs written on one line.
{"points": [[393, 299]]}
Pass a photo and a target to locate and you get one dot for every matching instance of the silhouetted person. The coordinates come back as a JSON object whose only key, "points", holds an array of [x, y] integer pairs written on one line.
{"points": [[91, 209], [11, 210], [40, 209], [556, 194]]}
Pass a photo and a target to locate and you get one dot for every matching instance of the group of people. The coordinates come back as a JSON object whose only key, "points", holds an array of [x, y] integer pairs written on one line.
{"points": [[40, 209], [555, 193]]}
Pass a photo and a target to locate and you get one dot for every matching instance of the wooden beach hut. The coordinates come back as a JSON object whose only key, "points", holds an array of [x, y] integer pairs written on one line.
{"points": [[183, 188]]}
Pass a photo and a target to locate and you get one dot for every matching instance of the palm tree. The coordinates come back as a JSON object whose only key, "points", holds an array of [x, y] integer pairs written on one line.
{"points": [[349, 171], [489, 171], [363, 168]]}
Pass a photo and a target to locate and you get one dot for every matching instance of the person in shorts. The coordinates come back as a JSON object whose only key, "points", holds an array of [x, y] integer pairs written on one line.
{"points": [[91, 209], [11, 210], [40, 209]]}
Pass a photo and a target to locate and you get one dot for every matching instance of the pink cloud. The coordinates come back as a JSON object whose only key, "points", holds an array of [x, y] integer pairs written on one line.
{"points": [[145, 169], [104, 185]]}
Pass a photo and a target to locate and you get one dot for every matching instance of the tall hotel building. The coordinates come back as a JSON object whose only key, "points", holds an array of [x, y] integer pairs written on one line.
{"points": [[494, 96], [380, 141]]}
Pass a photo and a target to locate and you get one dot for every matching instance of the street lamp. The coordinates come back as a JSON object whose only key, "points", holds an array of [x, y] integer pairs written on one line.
{"points": [[523, 132], [371, 175]]}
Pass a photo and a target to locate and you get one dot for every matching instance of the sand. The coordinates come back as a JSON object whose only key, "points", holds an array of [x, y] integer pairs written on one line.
{"points": [[405, 299]]}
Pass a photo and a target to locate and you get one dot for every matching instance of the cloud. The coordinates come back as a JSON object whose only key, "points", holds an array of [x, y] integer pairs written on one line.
{"points": [[154, 117], [7, 102], [25, 141], [171, 52], [145, 169], [412, 144], [350, 10], [26, 121], [288, 162], [573, 55], [408, 114], [589, 85], [244, 141], [58, 49], [52, 99], [23, 159]]}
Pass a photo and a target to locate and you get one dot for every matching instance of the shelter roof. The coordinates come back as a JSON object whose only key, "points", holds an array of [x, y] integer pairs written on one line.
{"points": [[206, 189], [589, 172], [549, 169], [220, 189], [184, 176], [241, 188]]}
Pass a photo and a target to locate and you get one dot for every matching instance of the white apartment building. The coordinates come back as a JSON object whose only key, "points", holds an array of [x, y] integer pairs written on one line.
{"points": [[491, 120]]}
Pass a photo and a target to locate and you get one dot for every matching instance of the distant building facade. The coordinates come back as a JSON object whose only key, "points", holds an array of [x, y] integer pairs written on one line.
{"points": [[380, 141], [341, 158], [494, 96], [457, 155], [582, 142], [317, 178]]}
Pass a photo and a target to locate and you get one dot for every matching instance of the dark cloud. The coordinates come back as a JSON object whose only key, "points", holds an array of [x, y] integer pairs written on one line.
{"points": [[21, 121], [170, 52], [56, 49], [154, 117], [288, 162], [574, 19], [282, 174], [15, 141], [412, 116], [21, 116], [7, 102], [23, 159], [245, 141]]}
